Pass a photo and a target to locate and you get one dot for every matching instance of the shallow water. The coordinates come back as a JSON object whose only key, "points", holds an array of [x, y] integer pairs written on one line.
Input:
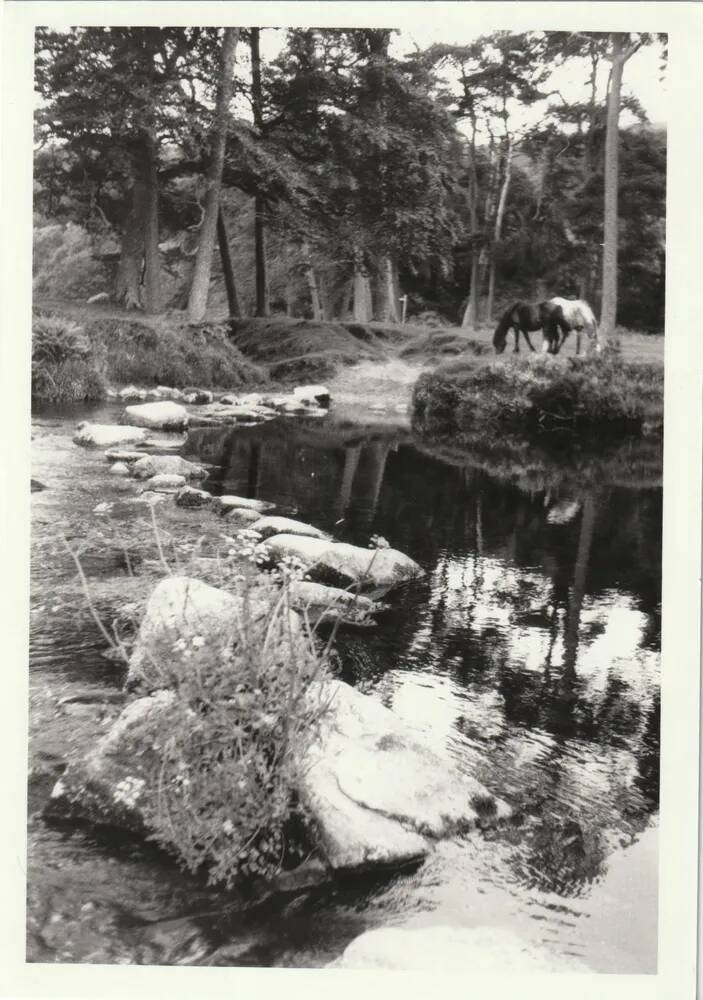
{"points": [[528, 655]]}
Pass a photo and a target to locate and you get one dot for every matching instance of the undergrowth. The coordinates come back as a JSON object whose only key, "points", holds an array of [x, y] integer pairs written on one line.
{"points": [[65, 366]]}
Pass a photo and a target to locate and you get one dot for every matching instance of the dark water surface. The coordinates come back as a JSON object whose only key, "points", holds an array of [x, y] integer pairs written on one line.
{"points": [[529, 654]]}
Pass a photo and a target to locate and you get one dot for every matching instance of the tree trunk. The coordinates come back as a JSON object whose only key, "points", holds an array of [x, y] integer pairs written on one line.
{"points": [[470, 317], [262, 302], [498, 228], [311, 278], [609, 302], [387, 310], [361, 307], [227, 270], [200, 286], [132, 249], [152, 257], [262, 298]]}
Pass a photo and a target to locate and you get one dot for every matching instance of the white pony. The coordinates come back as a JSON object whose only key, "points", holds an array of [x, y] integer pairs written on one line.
{"points": [[572, 314]]}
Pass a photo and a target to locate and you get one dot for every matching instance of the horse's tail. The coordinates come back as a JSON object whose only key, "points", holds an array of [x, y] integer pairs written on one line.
{"points": [[501, 331]]}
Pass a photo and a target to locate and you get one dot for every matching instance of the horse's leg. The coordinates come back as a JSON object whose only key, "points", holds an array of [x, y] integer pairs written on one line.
{"points": [[578, 339], [516, 331], [527, 338]]}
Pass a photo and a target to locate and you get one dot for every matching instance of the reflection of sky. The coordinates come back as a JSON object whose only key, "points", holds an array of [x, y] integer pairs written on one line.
{"points": [[466, 719]]}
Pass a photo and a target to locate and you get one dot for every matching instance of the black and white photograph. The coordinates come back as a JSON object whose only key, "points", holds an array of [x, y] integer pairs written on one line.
{"points": [[345, 367]]}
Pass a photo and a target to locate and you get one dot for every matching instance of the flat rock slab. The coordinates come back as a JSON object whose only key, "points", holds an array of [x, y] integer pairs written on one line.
{"points": [[105, 435], [379, 795], [167, 465], [468, 950], [224, 504], [339, 563], [272, 525], [164, 416]]}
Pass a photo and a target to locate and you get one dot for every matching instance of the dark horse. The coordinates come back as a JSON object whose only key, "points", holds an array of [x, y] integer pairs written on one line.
{"points": [[556, 318], [525, 318]]}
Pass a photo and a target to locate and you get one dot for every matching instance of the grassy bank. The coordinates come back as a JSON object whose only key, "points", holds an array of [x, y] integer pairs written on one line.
{"points": [[75, 358], [586, 395]]}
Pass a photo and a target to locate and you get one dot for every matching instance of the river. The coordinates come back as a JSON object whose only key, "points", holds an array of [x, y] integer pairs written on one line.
{"points": [[528, 654]]}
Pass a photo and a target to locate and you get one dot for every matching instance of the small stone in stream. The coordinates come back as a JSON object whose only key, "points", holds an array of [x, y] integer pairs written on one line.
{"points": [[221, 505], [119, 469], [104, 435], [36, 486], [198, 396], [118, 455], [131, 392], [314, 394], [267, 526], [169, 465], [164, 415], [189, 497], [239, 518], [164, 483]]}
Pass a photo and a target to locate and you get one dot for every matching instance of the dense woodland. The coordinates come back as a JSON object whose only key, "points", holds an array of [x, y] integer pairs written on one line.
{"points": [[175, 169]]}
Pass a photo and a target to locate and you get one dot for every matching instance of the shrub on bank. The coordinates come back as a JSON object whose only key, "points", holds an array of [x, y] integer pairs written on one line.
{"points": [[65, 367], [597, 391]]}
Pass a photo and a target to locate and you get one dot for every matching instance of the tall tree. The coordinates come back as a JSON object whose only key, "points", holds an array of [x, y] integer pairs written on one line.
{"points": [[622, 48], [262, 302], [197, 301]]}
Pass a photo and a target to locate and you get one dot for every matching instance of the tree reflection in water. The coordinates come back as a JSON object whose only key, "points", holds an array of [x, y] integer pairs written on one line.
{"points": [[529, 652]]}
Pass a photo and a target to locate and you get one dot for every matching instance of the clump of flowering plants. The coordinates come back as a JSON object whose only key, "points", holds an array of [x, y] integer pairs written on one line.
{"points": [[216, 767]]}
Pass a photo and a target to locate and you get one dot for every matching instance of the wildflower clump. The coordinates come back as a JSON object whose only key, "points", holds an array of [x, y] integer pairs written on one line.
{"points": [[222, 758]]}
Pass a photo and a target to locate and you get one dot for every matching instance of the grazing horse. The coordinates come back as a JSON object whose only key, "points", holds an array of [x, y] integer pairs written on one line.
{"points": [[556, 318], [561, 317], [522, 318]]}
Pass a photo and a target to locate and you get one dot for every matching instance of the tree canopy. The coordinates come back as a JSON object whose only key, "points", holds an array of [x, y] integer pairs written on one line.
{"points": [[343, 174]]}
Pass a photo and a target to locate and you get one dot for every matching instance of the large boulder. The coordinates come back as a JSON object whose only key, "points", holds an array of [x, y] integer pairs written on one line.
{"points": [[167, 465], [467, 950], [272, 525], [163, 416], [339, 563], [108, 787], [378, 794], [181, 608], [105, 435]]}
